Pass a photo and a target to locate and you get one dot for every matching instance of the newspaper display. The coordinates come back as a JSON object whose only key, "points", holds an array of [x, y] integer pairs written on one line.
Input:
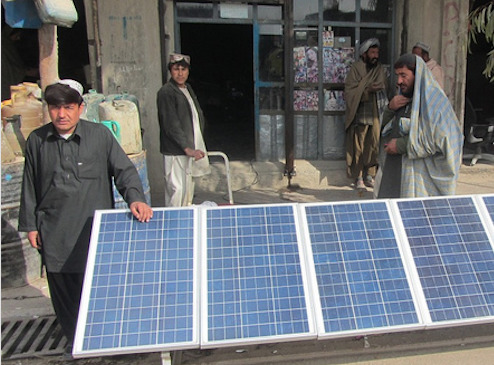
{"points": [[334, 100], [305, 100], [312, 68], [328, 38], [336, 65], [299, 100], [300, 65]]}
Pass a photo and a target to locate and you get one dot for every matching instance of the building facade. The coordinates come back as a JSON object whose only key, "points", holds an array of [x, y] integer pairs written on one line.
{"points": [[269, 74]]}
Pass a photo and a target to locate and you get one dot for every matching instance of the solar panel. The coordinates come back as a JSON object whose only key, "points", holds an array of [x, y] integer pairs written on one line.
{"points": [[256, 289], [489, 204], [206, 277], [453, 255], [141, 289], [362, 284]]}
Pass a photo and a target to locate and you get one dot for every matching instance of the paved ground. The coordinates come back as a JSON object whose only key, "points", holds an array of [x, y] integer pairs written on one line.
{"points": [[319, 181]]}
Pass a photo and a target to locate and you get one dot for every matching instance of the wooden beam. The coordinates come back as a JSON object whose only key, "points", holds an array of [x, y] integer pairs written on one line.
{"points": [[48, 55], [48, 59]]}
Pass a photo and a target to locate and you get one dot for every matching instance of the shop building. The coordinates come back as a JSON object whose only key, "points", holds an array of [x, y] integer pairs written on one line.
{"points": [[269, 74]]}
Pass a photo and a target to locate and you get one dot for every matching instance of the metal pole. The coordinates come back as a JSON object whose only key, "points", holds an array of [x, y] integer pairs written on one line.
{"points": [[289, 118]]}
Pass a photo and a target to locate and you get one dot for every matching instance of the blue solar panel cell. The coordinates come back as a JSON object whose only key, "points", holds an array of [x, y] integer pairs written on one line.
{"points": [[142, 286], [360, 275], [255, 288], [453, 256], [489, 204]]}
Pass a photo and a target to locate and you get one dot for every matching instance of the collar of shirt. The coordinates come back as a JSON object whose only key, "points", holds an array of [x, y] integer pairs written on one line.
{"points": [[79, 132]]}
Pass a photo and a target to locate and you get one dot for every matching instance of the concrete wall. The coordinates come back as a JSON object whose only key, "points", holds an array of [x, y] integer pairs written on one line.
{"points": [[129, 57], [443, 25]]}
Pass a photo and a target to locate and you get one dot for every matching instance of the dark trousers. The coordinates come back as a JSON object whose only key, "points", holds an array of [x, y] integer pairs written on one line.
{"points": [[65, 292]]}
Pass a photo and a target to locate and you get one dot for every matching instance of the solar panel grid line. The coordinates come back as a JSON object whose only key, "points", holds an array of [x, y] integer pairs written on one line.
{"points": [[256, 286], [146, 277], [454, 258], [358, 271]]}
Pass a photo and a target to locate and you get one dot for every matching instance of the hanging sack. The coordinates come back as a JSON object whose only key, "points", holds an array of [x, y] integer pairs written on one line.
{"points": [[58, 12], [21, 14]]}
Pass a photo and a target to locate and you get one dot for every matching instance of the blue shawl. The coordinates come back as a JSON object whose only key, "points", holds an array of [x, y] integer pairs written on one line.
{"points": [[431, 165]]}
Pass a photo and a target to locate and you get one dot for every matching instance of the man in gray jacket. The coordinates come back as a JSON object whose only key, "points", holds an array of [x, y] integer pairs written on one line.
{"points": [[181, 134], [70, 164]]}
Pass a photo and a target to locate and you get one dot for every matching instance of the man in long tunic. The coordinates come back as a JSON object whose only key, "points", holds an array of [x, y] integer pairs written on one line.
{"points": [[181, 134], [69, 166], [422, 137], [365, 96]]}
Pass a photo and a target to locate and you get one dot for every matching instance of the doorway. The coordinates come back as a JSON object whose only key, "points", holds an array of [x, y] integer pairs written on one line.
{"points": [[221, 75]]}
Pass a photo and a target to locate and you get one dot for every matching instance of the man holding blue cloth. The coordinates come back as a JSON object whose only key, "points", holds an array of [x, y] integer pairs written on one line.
{"points": [[422, 137]]}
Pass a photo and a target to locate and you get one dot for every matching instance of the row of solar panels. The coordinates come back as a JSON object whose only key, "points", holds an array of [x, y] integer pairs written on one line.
{"points": [[203, 277]]}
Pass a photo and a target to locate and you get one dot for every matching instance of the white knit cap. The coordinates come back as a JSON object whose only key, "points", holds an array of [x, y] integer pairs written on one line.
{"points": [[371, 42], [73, 84], [424, 46]]}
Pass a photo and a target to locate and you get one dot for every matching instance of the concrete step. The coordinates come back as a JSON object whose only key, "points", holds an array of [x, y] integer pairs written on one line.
{"points": [[270, 175]]}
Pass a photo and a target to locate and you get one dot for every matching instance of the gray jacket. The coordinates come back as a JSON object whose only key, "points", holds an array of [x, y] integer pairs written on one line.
{"points": [[175, 118], [64, 182]]}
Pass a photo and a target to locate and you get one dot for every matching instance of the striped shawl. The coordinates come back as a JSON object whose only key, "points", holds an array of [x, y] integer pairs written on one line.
{"points": [[433, 159]]}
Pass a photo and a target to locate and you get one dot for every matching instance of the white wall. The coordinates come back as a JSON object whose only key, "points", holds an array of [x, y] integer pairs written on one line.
{"points": [[443, 25], [130, 59]]}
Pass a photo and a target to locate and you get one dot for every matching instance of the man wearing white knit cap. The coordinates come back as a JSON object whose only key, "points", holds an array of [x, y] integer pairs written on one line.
{"points": [[365, 97], [422, 50], [73, 84], [68, 173]]}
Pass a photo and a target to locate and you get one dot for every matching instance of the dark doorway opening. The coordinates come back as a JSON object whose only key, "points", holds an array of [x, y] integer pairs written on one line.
{"points": [[479, 91], [222, 77]]}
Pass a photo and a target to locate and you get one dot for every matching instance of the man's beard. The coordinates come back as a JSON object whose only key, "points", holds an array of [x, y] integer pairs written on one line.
{"points": [[371, 62], [408, 92]]}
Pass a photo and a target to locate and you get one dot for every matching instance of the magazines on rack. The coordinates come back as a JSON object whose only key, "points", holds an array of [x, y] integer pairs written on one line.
{"points": [[312, 70], [337, 63], [312, 100], [300, 64], [334, 100], [305, 100], [331, 58], [299, 100], [328, 38]]}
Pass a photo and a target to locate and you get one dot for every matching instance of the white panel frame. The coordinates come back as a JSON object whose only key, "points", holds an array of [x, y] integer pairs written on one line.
{"points": [[78, 351], [322, 334], [429, 324], [485, 215], [205, 342]]}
